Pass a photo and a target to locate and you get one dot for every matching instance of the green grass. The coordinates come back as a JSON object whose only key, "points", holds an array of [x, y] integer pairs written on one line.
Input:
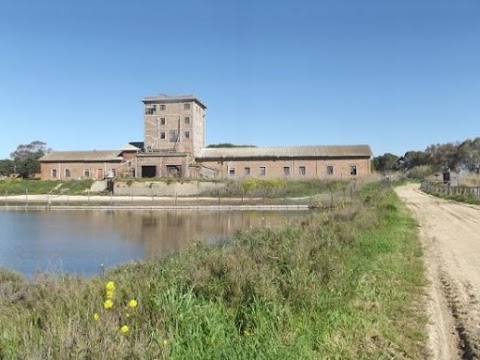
{"points": [[20, 186], [280, 188], [344, 284]]}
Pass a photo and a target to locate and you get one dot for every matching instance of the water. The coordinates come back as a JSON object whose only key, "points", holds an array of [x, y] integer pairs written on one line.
{"points": [[78, 242]]}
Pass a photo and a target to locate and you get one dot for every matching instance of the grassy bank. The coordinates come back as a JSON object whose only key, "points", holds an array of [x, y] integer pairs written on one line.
{"points": [[343, 284], [21, 187]]}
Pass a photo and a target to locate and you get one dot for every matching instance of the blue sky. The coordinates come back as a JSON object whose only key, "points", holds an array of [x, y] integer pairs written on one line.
{"points": [[396, 74]]}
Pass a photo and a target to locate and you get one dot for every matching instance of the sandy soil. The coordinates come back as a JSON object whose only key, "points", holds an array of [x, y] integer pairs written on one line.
{"points": [[450, 233]]}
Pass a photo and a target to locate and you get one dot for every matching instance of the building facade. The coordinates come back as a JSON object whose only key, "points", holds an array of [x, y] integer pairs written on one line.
{"points": [[174, 146]]}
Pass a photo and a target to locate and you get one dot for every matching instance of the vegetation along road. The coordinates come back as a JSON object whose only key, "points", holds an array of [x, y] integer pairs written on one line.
{"points": [[450, 233]]}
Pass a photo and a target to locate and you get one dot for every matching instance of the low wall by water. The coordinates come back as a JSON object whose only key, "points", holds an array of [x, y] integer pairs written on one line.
{"points": [[160, 188]]}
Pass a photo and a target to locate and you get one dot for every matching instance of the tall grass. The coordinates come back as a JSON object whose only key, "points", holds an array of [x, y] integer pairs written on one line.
{"points": [[343, 284], [21, 186]]}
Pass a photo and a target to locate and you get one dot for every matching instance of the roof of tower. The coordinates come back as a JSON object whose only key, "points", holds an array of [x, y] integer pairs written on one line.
{"points": [[163, 98]]}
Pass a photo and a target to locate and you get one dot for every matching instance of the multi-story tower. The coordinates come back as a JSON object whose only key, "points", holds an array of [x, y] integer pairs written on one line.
{"points": [[174, 124], [174, 134]]}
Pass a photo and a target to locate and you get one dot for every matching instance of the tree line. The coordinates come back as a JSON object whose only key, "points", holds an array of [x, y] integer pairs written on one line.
{"points": [[455, 156], [23, 161]]}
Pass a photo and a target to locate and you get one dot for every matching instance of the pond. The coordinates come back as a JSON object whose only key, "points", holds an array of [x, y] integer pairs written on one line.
{"points": [[79, 242]]}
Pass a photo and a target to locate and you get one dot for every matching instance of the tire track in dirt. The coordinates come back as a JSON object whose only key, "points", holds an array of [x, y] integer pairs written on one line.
{"points": [[450, 234]]}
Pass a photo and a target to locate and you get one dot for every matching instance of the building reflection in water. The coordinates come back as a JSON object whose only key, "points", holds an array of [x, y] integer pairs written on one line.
{"points": [[166, 232]]}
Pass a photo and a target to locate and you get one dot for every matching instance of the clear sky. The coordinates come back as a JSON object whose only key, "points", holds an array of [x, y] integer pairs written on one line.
{"points": [[396, 74]]}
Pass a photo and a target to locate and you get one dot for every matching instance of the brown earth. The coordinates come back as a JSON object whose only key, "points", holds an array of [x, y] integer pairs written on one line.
{"points": [[450, 233]]}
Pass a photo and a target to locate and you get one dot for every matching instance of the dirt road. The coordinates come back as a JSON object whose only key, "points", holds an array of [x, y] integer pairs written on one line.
{"points": [[450, 233]]}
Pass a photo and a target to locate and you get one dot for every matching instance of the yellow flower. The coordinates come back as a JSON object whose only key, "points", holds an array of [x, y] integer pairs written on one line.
{"points": [[109, 294], [124, 329], [96, 316], [165, 342], [110, 286], [108, 304], [132, 303]]}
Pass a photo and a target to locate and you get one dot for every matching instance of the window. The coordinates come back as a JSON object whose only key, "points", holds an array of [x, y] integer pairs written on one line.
{"points": [[162, 107], [286, 171], [302, 170], [186, 106], [187, 134], [173, 135], [86, 173], [67, 173], [353, 170], [263, 171], [54, 173], [162, 135], [150, 109], [187, 120], [246, 171], [231, 172], [330, 170], [162, 121]]}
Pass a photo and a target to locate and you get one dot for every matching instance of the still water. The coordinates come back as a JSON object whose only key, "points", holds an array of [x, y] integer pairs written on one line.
{"points": [[78, 242]]}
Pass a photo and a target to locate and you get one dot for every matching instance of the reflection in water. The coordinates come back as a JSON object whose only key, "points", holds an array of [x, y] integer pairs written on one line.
{"points": [[79, 241]]}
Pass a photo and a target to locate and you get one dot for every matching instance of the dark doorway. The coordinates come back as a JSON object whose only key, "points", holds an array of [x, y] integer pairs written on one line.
{"points": [[149, 171]]}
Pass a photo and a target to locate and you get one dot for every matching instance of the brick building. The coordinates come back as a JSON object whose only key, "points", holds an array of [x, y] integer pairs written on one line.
{"points": [[174, 145]]}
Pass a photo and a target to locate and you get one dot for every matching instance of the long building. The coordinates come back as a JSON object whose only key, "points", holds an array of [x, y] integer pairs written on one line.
{"points": [[174, 146]]}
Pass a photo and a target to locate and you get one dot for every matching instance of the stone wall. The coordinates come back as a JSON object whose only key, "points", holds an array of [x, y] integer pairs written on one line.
{"points": [[160, 188]]}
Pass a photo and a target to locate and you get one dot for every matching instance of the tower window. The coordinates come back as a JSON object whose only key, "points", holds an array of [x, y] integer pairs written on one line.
{"points": [[187, 120], [162, 135], [162, 121], [162, 107], [186, 106], [187, 134], [150, 109]]}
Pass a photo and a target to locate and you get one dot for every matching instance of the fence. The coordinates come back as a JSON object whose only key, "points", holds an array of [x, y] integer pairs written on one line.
{"points": [[467, 192], [324, 200]]}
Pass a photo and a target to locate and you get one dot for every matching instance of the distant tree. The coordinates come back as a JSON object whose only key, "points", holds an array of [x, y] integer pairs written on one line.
{"points": [[25, 158], [412, 159], [468, 153], [385, 162], [6, 167], [227, 145], [443, 155]]}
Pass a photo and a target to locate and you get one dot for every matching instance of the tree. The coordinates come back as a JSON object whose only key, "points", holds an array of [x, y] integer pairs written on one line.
{"points": [[469, 154], [6, 167], [25, 158], [412, 159], [443, 155], [385, 162]]}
